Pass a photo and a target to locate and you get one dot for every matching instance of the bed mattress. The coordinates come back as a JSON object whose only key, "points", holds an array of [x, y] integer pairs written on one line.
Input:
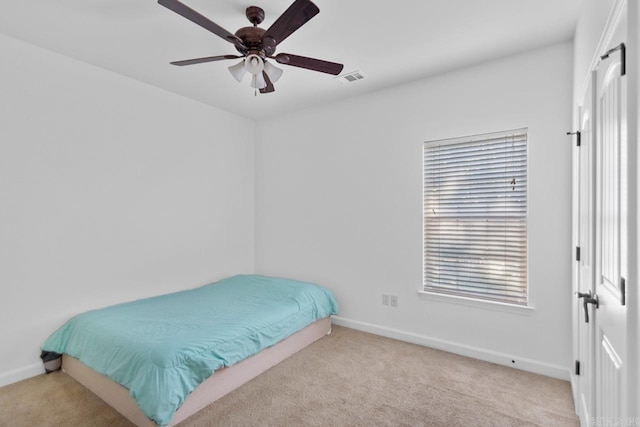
{"points": [[162, 348]]}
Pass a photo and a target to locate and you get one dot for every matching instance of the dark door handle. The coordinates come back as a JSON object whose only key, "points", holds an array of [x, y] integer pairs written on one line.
{"points": [[588, 299]]}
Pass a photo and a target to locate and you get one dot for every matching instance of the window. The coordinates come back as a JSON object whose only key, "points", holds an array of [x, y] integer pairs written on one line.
{"points": [[475, 216]]}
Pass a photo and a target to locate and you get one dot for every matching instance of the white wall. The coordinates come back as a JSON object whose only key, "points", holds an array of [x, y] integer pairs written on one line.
{"points": [[113, 190], [339, 202], [110, 190]]}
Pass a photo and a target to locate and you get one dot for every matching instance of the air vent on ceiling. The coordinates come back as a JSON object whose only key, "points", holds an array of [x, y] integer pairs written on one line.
{"points": [[352, 77]]}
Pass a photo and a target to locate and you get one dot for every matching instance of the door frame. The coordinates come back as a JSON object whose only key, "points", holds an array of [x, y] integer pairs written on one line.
{"points": [[632, 392]]}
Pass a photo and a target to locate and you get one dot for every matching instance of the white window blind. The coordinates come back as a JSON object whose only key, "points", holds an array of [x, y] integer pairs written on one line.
{"points": [[475, 216]]}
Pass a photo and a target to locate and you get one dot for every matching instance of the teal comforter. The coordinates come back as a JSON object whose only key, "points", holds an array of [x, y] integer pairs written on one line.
{"points": [[162, 348]]}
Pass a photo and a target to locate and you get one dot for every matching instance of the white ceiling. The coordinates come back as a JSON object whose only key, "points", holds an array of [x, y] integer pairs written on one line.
{"points": [[390, 42]]}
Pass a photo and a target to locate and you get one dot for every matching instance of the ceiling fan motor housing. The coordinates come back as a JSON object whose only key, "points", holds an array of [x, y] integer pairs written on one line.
{"points": [[252, 39]]}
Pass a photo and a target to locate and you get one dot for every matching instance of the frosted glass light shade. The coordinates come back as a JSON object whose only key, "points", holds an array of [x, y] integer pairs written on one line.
{"points": [[272, 71], [238, 71], [258, 82]]}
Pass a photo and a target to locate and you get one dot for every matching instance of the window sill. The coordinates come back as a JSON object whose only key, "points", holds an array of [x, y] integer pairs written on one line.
{"points": [[470, 302]]}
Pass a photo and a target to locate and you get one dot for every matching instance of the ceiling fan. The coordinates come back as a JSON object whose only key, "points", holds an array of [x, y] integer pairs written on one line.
{"points": [[255, 44]]}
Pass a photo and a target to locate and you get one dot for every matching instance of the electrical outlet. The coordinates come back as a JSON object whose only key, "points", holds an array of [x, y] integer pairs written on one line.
{"points": [[393, 300], [385, 299]]}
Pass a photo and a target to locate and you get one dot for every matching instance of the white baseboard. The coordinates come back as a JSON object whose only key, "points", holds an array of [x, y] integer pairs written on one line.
{"points": [[529, 365], [20, 374]]}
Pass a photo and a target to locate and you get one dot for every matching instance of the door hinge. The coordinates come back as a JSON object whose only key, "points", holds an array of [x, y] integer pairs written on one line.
{"points": [[623, 57], [577, 368], [577, 253], [577, 134], [623, 291]]}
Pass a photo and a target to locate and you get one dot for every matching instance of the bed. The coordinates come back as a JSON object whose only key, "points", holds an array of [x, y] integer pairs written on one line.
{"points": [[159, 360]]}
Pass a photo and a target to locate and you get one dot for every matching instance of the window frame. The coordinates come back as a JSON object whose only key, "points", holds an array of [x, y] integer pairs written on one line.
{"points": [[428, 291]]}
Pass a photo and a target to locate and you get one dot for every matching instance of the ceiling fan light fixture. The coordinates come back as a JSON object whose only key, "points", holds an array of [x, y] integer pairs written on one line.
{"points": [[258, 82], [254, 64], [272, 71], [256, 44], [238, 71]]}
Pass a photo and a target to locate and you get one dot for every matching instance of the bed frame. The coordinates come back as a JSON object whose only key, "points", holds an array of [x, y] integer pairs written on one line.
{"points": [[222, 382]]}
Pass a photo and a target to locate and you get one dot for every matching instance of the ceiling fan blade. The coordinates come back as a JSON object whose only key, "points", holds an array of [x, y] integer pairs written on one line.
{"points": [[293, 18], [309, 63], [206, 59], [204, 22], [269, 88]]}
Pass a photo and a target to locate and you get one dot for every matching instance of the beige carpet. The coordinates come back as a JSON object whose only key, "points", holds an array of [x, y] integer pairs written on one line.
{"points": [[348, 378]]}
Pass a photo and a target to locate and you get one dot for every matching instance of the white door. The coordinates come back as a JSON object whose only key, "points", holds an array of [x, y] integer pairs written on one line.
{"points": [[585, 190], [611, 245]]}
